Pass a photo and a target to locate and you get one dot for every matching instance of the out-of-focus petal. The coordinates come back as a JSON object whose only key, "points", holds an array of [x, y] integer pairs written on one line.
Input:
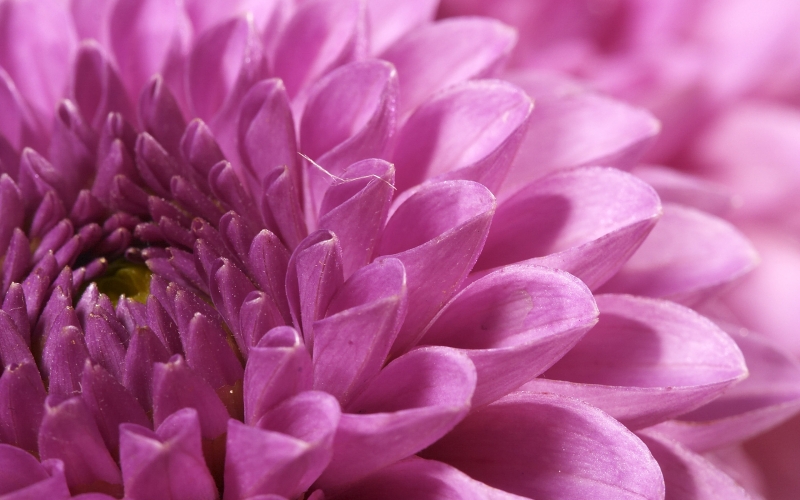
{"points": [[437, 55], [22, 477], [687, 256], [586, 221], [414, 400], [423, 480], [685, 189], [577, 127], [469, 131], [514, 324], [388, 20], [633, 363], [437, 233], [689, 476]]}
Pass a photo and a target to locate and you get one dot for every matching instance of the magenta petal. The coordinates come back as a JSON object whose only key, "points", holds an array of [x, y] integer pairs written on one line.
{"points": [[14, 306], [142, 35], [17, 125], [313, 276], [389, 20], [770, 395], [633, 363], [280, 207], [96, 87], [22, 477], [62, 360], [469, 131], [544, 446], [13, 348], [585, 221], [352, 341], [258, 315], [574, 128], [689, 476], [422, 480], [355, 208], [161, 117], [319, 36], [685, 189], [437, 233], [268, 260], [167, 463], [229, 286], [278, 368], [514, 324], [286, 452], [208, 352], [350, 115], [23, 395], [669, 265], [176, 386], [12, 208], [414, 400], [144, 350], [69, 433], [437, 55], [41, 78], [266, 135]]}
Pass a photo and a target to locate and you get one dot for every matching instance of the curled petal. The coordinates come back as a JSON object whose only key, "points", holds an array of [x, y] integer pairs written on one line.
{"points": [[352, 341], [437, 55], [437, 232], [687, 256], [96, 87], [166, 463], [469, 131], [633, 363], [22, 477], [414, 400], [544, 446], [514, 324], [585, 221], [268, 260], [577, 127]]}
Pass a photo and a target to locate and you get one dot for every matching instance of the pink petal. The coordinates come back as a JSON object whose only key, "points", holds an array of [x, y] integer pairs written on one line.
{"points": [[22, 477], [413, 401], [352, 341], [514, 324], [313, 276], [470, 131], [355, 209], [167, 463], [422, 480], [633, 364], [280, 206], [17, 125], [320, 36], [91, 19], [437, 232], [769, 396], [350, 115], [268, 261], [544, 446], [668, 263], [586, 221], [11, 207], [37, 54], [673, 186], [574, 128], [437, 55], [689, 476], [389, 21], [143, 34], [278, 368]]}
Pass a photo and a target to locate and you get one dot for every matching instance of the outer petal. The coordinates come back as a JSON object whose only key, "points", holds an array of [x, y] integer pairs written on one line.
{"points": [[633, 364], [544, 446], [168, 463], [22, 477], [469, 131], [585, 221], [577, 127], [437, 233], [688, 256], [689, 476], [320, 36], [352, 341], [423, 480], [350, 115], [437, 55], [390, 20], [770, 395], [514, 324], [22, 395], [414, 401], [41, 78]]}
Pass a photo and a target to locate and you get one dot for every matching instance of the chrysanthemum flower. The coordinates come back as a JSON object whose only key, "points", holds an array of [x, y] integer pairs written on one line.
{"points": [[302, 265]]}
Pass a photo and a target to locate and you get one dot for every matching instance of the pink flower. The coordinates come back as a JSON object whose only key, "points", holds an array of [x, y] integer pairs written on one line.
{"points": [[336, 280]]}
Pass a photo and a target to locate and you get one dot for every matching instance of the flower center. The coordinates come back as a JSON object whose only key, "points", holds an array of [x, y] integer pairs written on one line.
{"points": [[125, 278]]}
